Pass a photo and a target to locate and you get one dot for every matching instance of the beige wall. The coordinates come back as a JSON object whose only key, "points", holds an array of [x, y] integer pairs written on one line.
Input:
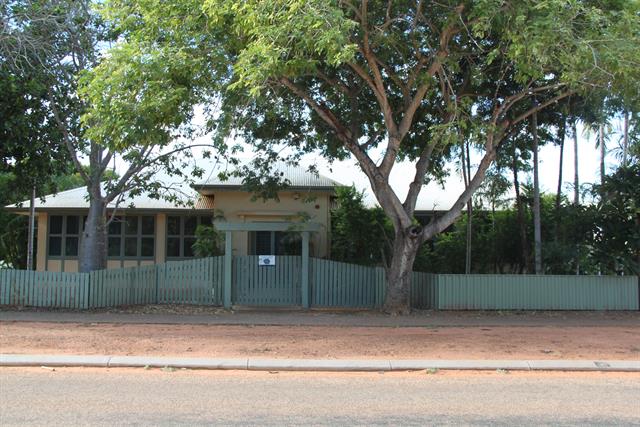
{"points": [[238, 207], [41, 260], [161, 238]]}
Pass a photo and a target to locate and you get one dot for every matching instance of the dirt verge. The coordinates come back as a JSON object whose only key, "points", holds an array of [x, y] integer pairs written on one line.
{"points": [[535, 342]]}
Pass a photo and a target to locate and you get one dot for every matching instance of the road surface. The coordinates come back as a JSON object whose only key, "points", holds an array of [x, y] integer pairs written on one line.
{"points": [[40, 396]]}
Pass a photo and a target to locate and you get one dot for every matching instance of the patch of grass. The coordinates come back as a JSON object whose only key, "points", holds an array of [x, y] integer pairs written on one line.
{"points": [[502, 371], [168, 369], [431, 371]]}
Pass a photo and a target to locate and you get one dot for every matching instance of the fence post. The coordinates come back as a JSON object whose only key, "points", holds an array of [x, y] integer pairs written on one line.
{"points": [[87, 289], [157, 275], [305, 269], [228, 265]]}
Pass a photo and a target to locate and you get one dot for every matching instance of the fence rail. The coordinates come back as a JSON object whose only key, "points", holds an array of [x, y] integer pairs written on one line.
{"points": [[331, 284]]}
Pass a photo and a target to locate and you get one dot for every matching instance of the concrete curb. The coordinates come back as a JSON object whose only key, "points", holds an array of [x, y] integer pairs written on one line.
{"points": [[326, 365]]}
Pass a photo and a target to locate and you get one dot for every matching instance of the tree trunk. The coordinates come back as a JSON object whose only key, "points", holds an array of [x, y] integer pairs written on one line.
{"points": [[32, 226], [576, 184], [561, 135], [405, 249], [466, 174], [603, 152], [469, 216], [576, 179], [93, 244], [493, 233], [625, 139], [524, 251], [537, 232]]}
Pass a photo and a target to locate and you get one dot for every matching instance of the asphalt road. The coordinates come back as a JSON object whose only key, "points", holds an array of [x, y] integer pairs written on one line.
{"points": [[38, 396]]}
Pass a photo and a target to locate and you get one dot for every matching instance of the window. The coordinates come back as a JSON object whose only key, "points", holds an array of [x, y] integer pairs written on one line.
{"points": [[64, 235], [181, 234], [132, 237], [275, 243]]}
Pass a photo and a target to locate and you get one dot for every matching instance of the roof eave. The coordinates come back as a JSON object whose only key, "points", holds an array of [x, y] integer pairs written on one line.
{"points": [[199, 187]]}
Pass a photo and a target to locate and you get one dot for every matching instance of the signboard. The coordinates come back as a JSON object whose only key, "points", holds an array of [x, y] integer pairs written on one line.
{"points": [[266, 260]]}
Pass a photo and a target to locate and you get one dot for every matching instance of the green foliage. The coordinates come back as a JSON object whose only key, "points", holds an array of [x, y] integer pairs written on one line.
{"points": [[358, 235], [209, 241], [409, 79], [31, 145], [617, 224]]}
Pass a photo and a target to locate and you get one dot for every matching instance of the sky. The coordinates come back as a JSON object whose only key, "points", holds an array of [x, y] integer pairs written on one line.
{"points": [[435, 196]]}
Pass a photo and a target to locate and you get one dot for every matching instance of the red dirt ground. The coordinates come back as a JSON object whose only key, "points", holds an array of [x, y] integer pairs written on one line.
{"points": [[508, 342]]}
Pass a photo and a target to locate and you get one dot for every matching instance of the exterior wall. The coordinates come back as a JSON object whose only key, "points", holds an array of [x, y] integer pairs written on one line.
{"points": [[161, 238], [70, 264], [235, 206], [238, 207], [41, 260]]}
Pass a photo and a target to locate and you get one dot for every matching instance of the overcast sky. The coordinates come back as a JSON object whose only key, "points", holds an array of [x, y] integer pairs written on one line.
{"points": [[436, 197]]}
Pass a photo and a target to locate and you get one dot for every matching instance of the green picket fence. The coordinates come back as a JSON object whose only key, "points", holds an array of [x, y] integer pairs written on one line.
{"points": [[44, 289], [531, 292], [331, 284], [195, 281], [338, 284], [123, 286], [277, 285]]}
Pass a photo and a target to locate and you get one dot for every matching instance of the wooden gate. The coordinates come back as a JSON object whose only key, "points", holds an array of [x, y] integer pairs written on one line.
{"points": [[274, 285]]}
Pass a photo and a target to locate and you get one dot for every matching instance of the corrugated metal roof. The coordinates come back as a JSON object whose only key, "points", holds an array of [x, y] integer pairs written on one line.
{"points": [[77, 198], [296, 177]]}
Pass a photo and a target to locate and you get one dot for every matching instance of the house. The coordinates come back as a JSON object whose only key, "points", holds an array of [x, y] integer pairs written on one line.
{"points": [[148, 231]]}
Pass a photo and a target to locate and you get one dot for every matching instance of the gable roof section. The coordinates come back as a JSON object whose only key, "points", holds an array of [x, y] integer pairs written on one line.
{"points": [[298, 178]]}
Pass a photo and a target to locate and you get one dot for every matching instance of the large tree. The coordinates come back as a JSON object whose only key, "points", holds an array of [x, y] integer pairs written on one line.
{"points": [[149, 103], [386, 81]]}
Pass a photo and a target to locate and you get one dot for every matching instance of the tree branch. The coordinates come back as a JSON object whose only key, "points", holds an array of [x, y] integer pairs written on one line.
{"points": [[67, 140]]}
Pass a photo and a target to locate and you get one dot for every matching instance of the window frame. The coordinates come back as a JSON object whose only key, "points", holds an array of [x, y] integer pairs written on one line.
{"points": [[181, 236], [138, 235], [63, 235], [276, 245]]}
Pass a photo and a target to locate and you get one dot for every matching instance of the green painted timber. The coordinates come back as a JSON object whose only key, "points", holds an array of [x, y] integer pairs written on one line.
{"points": [[531, 292], [228, 269], [306, 301], [338, 284], [424, 291], [320, 283], [275, 285], [44, 289], [196, 281], [123, 286]]}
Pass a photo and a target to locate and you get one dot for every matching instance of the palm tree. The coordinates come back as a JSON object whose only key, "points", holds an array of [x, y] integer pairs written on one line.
{"points": [[576, 179]]}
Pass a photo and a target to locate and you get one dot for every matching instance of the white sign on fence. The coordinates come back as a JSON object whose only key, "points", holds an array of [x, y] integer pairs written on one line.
{"points": [[266, 260]]}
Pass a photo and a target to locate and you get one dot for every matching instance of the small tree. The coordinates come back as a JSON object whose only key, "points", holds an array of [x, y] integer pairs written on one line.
{"points": [[358, 234], [209, 241], [136, 110]]}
